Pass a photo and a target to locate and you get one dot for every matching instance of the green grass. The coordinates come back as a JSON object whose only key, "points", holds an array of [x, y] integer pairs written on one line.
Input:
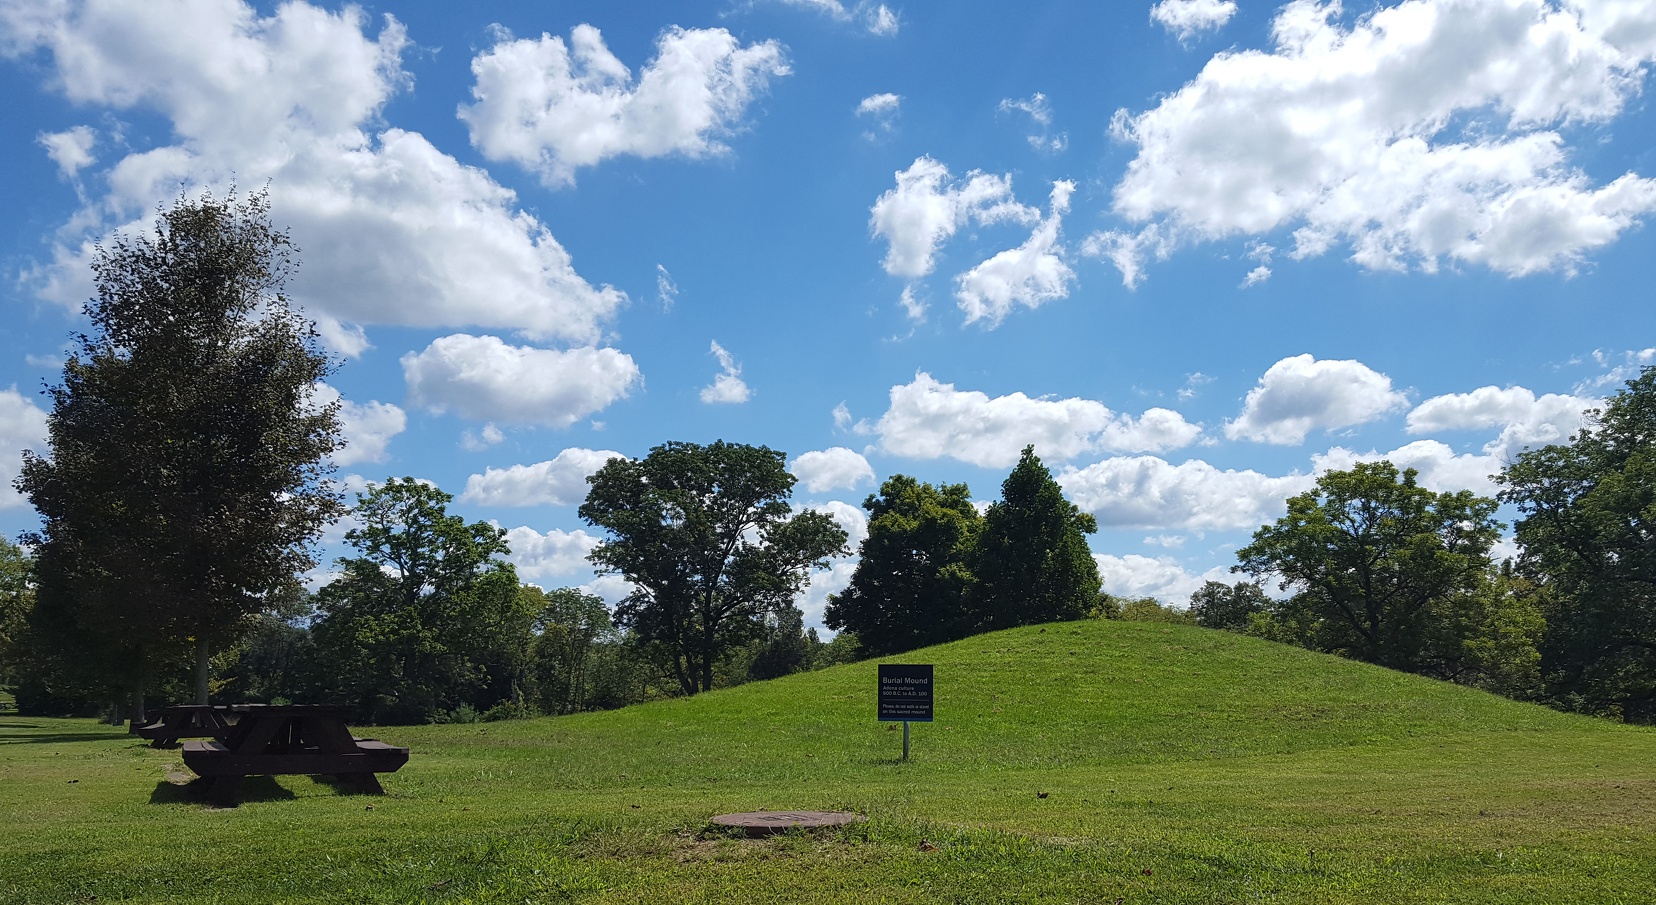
{"points": [[1179, 765]]}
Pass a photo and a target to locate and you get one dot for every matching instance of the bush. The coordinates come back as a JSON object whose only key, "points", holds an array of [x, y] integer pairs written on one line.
{"points": [[508, 710]]}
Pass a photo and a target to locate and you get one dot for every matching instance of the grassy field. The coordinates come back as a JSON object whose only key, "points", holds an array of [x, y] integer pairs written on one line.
{"points": [[1084, 762]]}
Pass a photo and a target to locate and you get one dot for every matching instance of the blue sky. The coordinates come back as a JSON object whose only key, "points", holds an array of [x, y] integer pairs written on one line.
{"points": [[1195, 251]]}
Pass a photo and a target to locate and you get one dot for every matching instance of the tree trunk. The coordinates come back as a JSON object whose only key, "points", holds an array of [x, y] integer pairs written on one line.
{"points": [[139, 714], [203, 655]]}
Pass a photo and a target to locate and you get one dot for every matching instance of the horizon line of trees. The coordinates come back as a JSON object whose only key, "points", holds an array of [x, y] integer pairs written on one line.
{"points": [[186, 486]]}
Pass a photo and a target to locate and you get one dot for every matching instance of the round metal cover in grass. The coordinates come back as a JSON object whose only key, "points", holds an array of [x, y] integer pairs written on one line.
{"points": [[769, 823]]}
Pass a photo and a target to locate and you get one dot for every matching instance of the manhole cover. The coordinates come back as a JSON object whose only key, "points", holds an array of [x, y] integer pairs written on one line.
{"points": [[768, 823]]}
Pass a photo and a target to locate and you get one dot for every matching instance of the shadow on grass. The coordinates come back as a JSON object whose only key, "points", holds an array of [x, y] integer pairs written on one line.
{"points": [[253, 788], [62, 737], [20, 726]]}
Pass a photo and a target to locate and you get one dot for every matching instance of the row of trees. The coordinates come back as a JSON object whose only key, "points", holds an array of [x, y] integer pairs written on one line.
{"points": [[933, 569], [1380, 569]]}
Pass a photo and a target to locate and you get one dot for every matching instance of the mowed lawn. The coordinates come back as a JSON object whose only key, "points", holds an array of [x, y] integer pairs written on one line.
{"points": [[1080, 762]]}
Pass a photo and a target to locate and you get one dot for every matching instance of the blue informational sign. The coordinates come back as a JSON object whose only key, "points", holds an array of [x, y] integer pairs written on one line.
{"points": [[905, 693]]}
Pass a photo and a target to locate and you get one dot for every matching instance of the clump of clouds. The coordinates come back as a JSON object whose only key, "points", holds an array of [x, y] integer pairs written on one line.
{"points": [[836, 468], [930, 420], [1030, 275], [560, 481], [727, 387], [22, 426], [296, 99], [928, 206], [874, 17], [1039, 110], [482, 378], [1186, 19], [1425, 133], [1150, 492], [553, 107], [1300, 394], [70, 149], [880, 110], [367, 426]]}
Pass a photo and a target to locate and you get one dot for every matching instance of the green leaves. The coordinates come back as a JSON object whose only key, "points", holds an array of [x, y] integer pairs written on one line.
{"points": [[706, 535], [1588, 529], [1373, 558], [933, 570]]}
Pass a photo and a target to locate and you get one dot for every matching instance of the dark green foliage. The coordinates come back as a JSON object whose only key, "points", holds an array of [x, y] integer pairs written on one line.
{"points": [[1587, 525], [571, 625], [783, 648], [1379, 565], [276, 660], [707, 537], [1230, 607], [16, 600], [184, 483], [912, 586], [1149, 609], [426, 616], [1032, 563]]}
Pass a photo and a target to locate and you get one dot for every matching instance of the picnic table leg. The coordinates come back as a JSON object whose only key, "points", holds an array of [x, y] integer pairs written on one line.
{"points": [[223, 791]]}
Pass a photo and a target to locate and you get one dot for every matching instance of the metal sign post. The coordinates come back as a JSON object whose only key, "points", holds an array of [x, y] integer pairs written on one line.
{"points": [[906, 695]]}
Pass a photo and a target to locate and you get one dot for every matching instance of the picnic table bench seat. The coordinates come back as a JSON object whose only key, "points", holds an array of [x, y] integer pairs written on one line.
{"points": [[214, 758]]}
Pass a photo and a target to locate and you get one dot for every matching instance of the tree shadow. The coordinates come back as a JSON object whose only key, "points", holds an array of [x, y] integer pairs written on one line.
{"points": [[58, 738]]}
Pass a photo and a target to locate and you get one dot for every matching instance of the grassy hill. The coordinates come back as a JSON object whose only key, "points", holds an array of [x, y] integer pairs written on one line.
{"points": [[1178, 765]]}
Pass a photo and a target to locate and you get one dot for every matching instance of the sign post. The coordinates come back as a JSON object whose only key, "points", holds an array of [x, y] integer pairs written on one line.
{"points": [[905, 696]]}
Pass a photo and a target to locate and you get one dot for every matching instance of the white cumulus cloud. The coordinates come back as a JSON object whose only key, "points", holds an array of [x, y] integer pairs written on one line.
{"points": [[727, 387], [367, 426], [1030, 275], [70, 149], [1300, 394], [929, 420], [485, 379], [1441, 468], [1525, 419], [1161, 577], [559, 481], [22, 426], [926, 208], [554, 107], [556, 553], [1188, 18], [393, 230], [875, 18], [836, 468], [1426, 132], [1149, 492]]}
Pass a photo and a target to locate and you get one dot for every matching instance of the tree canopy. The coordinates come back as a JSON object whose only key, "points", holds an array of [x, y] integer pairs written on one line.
{"points": [[1587, 527], [1373, 559], [1032, 562], [912, 585], [707, 538], [184, 482], [416, 617]]}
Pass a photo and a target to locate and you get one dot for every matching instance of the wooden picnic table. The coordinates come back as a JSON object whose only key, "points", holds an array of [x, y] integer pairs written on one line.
{"points": [[186, 721], [290, 739]]}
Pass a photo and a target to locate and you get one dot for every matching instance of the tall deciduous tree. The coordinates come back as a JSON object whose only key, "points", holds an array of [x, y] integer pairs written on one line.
{"points": [[1588, 528], [184, 483], [1032, 562], [412, 623], [912, 585], [707, 538], [1376, 561], [572, 624]]}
